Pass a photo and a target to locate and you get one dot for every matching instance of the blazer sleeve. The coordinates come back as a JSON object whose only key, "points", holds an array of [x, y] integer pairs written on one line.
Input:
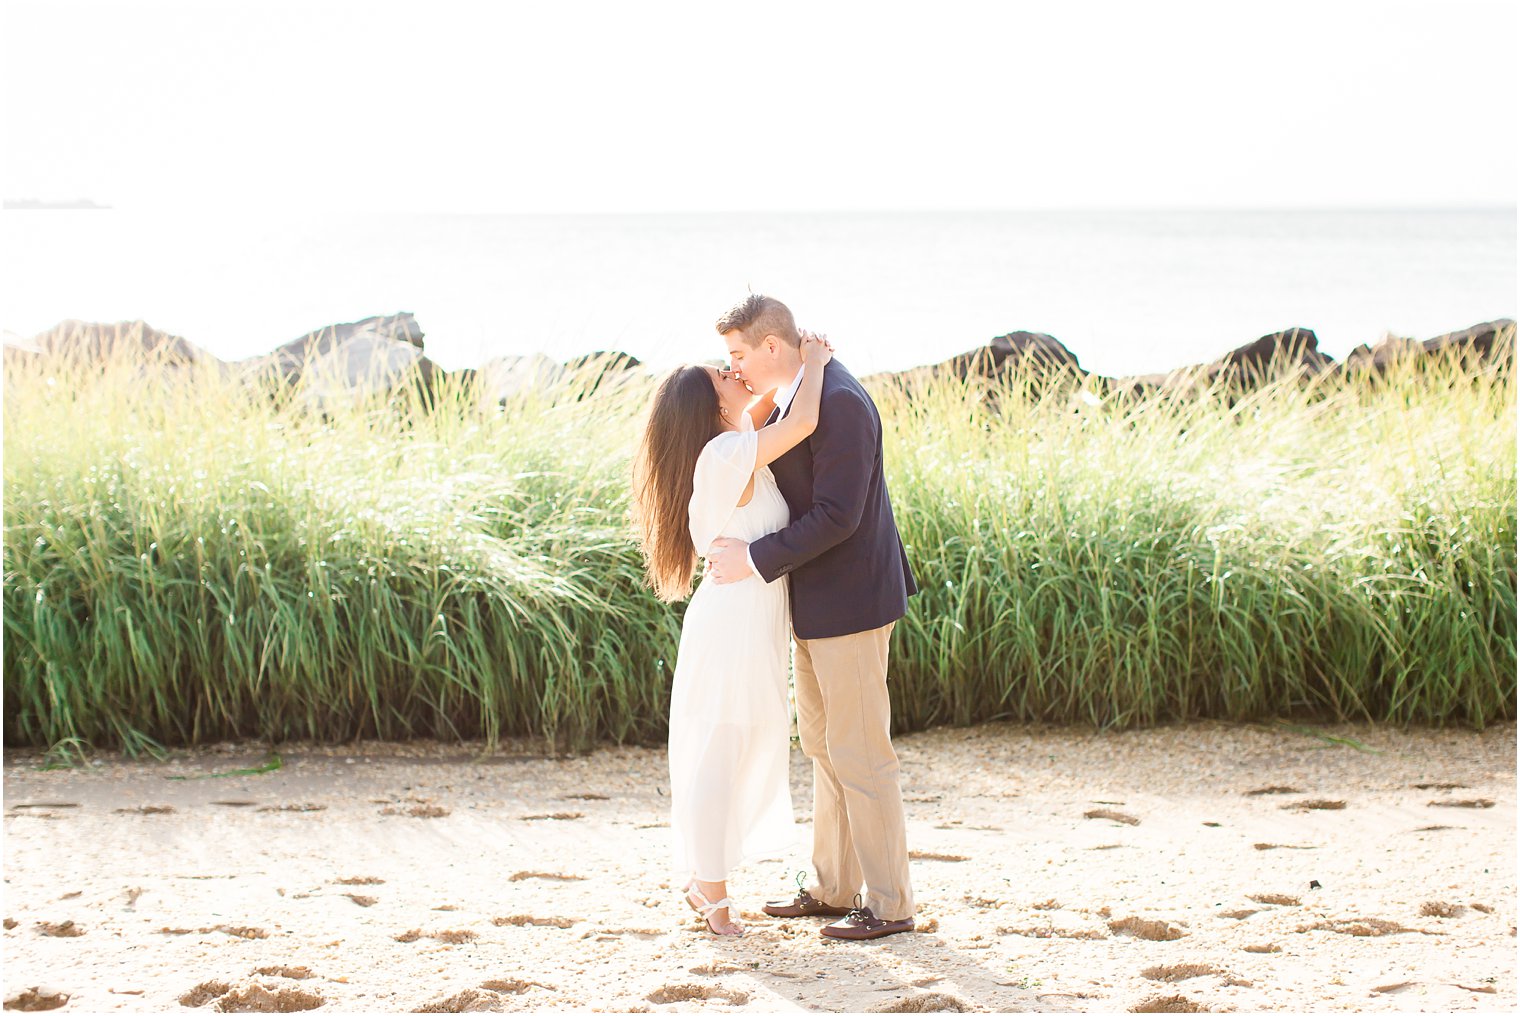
{"points": [[843, 449]]}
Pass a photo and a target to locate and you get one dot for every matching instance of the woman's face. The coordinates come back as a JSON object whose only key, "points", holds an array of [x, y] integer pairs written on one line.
{"points": [[733, 397]]}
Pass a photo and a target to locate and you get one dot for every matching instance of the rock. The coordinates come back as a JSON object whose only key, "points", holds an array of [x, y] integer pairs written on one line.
{"points": [[97, 342], [366, 365], [347, 361], [508, 376], [1489, 342], [1248, 366], [1015, 351], [1485, 340], [1378, 358], [374, 338]]}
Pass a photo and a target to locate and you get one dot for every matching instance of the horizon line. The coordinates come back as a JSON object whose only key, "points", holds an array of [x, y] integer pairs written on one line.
{"points": [[88, 204]]}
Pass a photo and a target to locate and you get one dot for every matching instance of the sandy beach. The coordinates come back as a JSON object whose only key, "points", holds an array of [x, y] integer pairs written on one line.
{"points": [[1207, 867]]}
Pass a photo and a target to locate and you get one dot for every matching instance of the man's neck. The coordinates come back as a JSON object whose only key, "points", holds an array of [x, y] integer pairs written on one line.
{"points": [[790, 376]]}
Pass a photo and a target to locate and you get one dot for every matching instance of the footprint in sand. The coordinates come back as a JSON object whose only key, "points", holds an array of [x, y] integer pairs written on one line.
{"points": [[1479, 802], [1318, 804], [1439, 786], [1393, 989], [1151, 931], [468, 1000], [1179, 971], [1050, 931], [551, 876], [611, 934], [239, 931], [1111, 815], [1275, 899], [294, 807], [64, 929], [1281, 846], [925, 855], [363, 901], [416, 811], [1437, 908], [1364, 927], [585, 797], [1265, 947], [359, 880], [294, 973], [235, 932], [253, 996], [204, 992], [528, 920], [147, 809], [1275, 789], [46, 804], [931, 1001], [669, 993], [447, 937], [515, 986], [1168, 1003], [237, 804], [38, 999], [554, 816]]}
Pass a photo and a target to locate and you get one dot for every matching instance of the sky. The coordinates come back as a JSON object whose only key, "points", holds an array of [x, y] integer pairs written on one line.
{"points": [[655, 107]]}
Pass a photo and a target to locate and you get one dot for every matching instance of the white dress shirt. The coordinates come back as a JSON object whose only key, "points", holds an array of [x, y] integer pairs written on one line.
{"points": [[785, 396]]}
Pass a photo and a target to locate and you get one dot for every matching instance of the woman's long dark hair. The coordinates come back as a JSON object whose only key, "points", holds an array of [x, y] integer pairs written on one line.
{"points": [[683, 418]]}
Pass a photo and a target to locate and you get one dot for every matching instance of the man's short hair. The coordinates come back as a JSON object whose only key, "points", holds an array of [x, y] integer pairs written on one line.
{"points": [[757, 316]]}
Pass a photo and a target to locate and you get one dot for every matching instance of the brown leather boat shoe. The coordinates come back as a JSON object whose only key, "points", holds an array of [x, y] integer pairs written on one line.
{"points": [[861, 924], [803, 905]]}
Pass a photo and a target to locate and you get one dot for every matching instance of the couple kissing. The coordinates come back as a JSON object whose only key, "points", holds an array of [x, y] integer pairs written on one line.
{"points": [[771, 471]]}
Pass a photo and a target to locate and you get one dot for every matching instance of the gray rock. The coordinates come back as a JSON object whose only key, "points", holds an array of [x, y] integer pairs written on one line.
{"points": [[97, 342], [1490, 341]]}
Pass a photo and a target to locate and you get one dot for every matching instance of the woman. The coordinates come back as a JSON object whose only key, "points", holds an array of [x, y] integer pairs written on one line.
{"points": [[701, 474]]}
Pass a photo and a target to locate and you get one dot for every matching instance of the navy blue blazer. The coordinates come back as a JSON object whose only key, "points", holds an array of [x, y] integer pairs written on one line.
{"points": [[848, 569]]}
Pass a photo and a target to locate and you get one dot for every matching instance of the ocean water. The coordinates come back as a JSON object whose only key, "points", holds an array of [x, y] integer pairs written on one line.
{"points": [[1127, 291]]}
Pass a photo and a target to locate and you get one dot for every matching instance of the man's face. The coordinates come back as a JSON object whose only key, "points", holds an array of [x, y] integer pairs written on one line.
{"points": [[742, 361]]}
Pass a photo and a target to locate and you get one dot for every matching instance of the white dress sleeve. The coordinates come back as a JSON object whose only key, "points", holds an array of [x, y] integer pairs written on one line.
{"points": [[724, 469]]}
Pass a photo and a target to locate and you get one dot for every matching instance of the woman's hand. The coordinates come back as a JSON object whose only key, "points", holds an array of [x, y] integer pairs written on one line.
{"points": [[815, 349]]}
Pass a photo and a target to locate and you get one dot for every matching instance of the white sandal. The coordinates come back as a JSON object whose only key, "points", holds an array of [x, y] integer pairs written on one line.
{"points": [[702, 905]]}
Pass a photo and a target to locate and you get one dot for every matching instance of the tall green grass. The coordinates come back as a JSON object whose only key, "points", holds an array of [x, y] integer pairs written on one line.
{"points": [[190, 560], [1327, 546]]}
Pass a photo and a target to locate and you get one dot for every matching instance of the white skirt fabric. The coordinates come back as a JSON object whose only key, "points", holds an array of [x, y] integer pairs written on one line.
{"points": [[729, 720]]}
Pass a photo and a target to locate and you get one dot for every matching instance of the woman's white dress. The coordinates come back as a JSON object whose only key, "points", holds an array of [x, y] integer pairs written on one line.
{"points": [[730, 800]]}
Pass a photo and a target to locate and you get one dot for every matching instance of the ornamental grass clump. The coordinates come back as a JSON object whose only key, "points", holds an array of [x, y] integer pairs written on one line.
{"points": [[190, 557]]}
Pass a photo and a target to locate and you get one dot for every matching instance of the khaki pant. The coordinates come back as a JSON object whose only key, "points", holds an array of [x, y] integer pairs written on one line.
{"points": [[844, 719]]}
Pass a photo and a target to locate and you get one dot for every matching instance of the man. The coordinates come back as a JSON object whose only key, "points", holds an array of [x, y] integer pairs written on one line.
{"points": [[850, 583]]}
